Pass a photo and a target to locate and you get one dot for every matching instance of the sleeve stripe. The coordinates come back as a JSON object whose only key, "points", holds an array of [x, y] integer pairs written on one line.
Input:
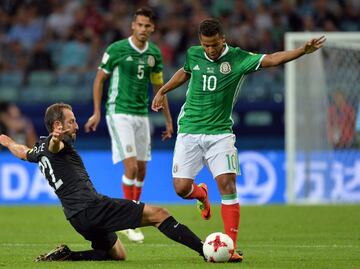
{"points": [[103, 69], [262, 57]]}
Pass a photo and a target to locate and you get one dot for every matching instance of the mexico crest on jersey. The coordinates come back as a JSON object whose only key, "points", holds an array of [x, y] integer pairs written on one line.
{"points": [[151, 61], [225, 68]]}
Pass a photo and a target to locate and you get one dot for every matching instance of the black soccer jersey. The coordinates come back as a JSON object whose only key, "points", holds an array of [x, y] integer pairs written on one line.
{"points": [[66, 173]]}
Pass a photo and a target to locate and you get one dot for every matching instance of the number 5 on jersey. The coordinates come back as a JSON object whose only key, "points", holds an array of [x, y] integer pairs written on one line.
{"points": [[140, 73]]}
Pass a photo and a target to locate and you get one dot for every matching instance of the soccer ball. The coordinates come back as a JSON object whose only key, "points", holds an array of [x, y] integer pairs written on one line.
{"points": [[218, 247]]}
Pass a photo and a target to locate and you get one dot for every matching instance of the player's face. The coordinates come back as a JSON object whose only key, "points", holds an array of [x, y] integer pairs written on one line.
{"points": [[70, 123], [142, 28], [213, 45]]}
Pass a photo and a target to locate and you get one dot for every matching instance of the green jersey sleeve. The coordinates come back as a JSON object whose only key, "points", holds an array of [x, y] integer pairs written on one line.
{"points": [[250, 61], [186, 64], [107, 61]]}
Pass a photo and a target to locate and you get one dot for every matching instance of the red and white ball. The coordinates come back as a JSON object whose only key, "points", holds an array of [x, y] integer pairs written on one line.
{"points": [[218, 247]]}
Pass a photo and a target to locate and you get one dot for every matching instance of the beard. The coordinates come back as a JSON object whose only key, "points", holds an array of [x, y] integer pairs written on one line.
{"points": [[70, 138]]}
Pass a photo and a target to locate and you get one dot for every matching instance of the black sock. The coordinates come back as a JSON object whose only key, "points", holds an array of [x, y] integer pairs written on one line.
{"points": [[181, 234], [89, 255]]}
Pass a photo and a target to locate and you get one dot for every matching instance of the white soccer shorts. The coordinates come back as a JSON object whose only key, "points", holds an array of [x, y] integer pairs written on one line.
{"points": [[193, 151], [130, 137]]}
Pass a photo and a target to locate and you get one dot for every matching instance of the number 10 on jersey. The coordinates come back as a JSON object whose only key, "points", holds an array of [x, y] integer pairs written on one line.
{"points": [[209, 83]]}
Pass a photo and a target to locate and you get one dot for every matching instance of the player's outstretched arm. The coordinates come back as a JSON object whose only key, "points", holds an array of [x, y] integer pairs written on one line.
{"points": [[167, 134], [17, 150], [282, 57], [94, 120], [179, 78]]}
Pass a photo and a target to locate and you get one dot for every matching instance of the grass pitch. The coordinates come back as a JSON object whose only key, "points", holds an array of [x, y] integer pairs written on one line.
{"points": [[270, 237]]}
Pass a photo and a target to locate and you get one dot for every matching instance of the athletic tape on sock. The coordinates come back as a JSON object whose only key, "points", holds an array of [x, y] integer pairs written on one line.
{"points": [[229, 199], [139, 183], [128, 181]]}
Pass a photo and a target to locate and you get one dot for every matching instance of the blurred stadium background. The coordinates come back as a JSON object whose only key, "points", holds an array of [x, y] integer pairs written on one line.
{"points": [[49, 52]]}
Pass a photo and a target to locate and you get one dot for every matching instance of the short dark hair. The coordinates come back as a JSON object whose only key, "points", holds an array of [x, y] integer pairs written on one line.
{"points": [[210, 27], [146, 12], [54, 113]]}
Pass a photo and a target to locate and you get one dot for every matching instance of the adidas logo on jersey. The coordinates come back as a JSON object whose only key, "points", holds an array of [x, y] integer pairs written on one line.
{"points": [[129, 59], [196, 67]]}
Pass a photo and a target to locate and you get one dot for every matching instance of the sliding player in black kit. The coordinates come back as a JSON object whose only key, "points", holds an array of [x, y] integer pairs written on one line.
{"points": [[96, 217]]}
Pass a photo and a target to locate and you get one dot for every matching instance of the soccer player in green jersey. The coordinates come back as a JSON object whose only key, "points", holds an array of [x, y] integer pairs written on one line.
{"points": [[216, 72], [132, 64]]}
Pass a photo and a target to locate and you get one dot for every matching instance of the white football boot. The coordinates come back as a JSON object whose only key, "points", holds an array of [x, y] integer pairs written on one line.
{"points": [[140, 234], [133, 235]]}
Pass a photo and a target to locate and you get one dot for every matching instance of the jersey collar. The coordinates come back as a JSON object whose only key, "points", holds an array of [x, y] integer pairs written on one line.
{"points": [[222, 54], [136, 48]]}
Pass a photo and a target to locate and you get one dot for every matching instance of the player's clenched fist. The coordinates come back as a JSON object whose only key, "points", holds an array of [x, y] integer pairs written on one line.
{"points": [[58, 133]]}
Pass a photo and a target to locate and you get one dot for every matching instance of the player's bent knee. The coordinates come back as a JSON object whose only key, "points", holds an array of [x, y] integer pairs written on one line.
{"points": [[118, 258], [182, 187], [160, 214], [153, 215], [163, 213], [117, 252], [181, 193]]}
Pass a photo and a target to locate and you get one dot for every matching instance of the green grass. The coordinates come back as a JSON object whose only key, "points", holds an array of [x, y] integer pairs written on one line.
{"points": [[270, 236]]}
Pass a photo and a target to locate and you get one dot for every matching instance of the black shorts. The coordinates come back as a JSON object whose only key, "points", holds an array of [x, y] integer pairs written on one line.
{"points": [[99, 223]]}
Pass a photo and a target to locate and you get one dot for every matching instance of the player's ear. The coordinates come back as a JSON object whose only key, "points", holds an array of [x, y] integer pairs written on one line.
{"points": [[133, 25]]}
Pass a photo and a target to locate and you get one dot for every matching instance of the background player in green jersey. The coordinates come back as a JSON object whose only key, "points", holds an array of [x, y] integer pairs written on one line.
{"points": [[216, 72], [132, 64]]}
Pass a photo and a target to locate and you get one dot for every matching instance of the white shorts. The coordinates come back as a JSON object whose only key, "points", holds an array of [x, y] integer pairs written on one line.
{"points": [[130, 137], [217, 152]]}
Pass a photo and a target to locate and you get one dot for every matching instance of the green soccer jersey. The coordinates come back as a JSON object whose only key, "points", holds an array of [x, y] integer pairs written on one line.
{"points": [[213, 89], [130, 70]]}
